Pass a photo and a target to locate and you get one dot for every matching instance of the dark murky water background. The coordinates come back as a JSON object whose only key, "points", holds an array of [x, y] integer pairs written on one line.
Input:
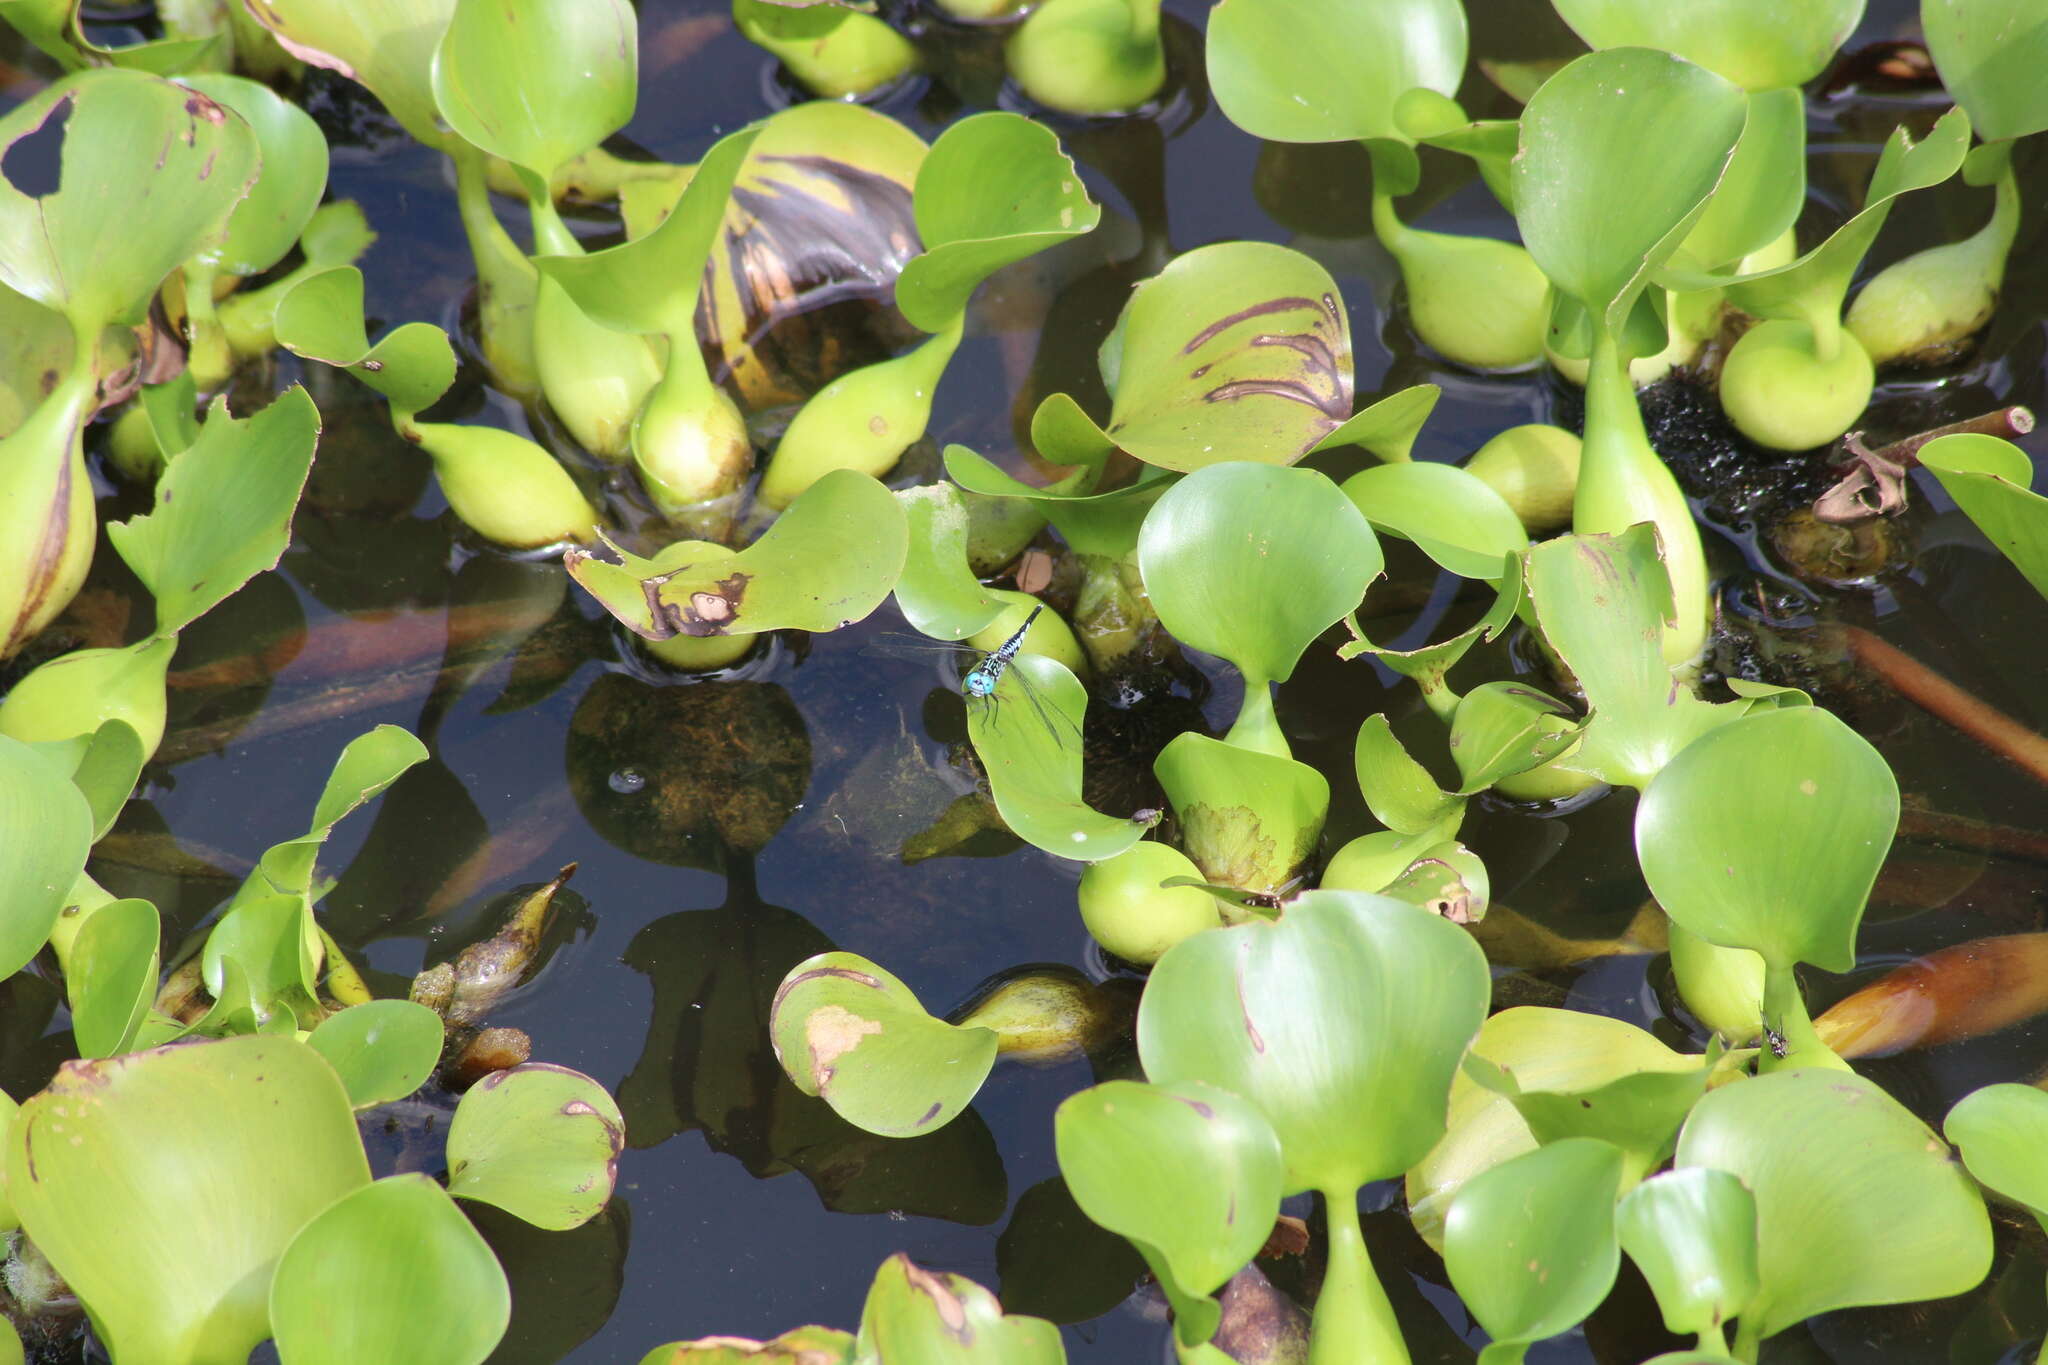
{"points": [[745, 1208]]}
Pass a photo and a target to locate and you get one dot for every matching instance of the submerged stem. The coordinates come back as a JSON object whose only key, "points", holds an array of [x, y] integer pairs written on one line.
{"points": [[1354, 1322]]}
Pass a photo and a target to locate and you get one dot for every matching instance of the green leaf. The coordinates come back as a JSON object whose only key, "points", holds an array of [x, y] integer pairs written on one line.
{"points": [[612, 285], [371, 762], [105, 770], [293, 155], [1248, 819], [1387, 428], [1236, 351], [223, 508], [938, 592], [1252, 563], [1530, 1245], [1990, 53], [1399, 791], [1189, 1173], [1450, 515], [1639, 1114], [1620, 151], [1760, 196], [112, 976], [1091, 523], [537, 82], [1858, 1202], [1758, 44], [222, 1150], [994, 189], [46, 831], [1989, 479], [1364, 58], [1999, 1129], [850, 1033], [798, 1346], [1504, 728], [1343, 1023], [149, 173], [266, 938], [390, 1272], [1602, 603], [1692, 1232], [322, 319], [1768, 834], [828, 561], [383, 1050], [539, 1141], [924, 1317], [1431, 663], [385, 45], [1029, 743]]}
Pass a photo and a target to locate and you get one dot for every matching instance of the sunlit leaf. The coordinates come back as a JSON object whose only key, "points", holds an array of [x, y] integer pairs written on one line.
{"points": [[936, 1318], [322, 319], [1692, 1232], [267, 224], [539, 1141], [1988, 53], [1758, 44], [1991, 480], [112, 976], [46, 830], [383, 1050], [1365, 58]]}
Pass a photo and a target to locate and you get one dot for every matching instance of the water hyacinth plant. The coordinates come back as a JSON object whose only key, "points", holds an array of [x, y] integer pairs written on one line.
{"points": [[1503, 806]]}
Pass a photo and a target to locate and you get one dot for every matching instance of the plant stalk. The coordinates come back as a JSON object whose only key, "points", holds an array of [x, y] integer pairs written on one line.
{"points": [[1796, 1041], [1354, 1322], [1257, 727], [507, 283]]}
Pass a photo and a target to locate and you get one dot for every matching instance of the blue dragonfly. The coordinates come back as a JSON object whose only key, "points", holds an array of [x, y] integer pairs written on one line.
{"points": [[982, 684]]}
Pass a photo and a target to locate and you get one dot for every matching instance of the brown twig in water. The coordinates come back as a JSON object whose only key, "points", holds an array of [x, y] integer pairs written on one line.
{"points": [[1975, 836], [1883, 470], [1921, 685]]}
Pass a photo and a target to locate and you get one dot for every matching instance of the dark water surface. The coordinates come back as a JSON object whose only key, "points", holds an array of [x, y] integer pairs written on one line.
{"points": [[745, 1208]]}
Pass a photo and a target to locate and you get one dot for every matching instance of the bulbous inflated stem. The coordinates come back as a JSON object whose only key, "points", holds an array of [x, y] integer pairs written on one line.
{"points": [[507, 285], [690, 443], [1692, 318], [981, 11], [1089, 57], [1723, 987], [76, 693], [832, 52], [1354, 1323], [862, 421], [504, 487], [1921, 309], [595, 379], [47, 522], [1535, 469], [1132, 915], [1046, 1015], [1793, 1042], [1473, 300], [1781, 390], [1623, 481], [1050, 635], [207, 354]]}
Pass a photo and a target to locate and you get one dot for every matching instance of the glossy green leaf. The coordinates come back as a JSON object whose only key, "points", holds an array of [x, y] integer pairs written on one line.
{"points": [[1450, 515], [1029, 743], [1248, 819], [293, 175], [46, 830], [828, 561], [1399, 791], [1252, 563], [923, 1317], [149, 173], [1530, 1245], [1343, 1022], [34, 341], [539, 1141], [1758, 44], [1620, 150], [1638, 1114], [1990, 54], [1444, 878], [370, 763], [1504, 728], [1547, 1051], [109, 762], [1189, 1173], [1760, 196], [1236, 351], [385, 45], [612, 285], [1602, 603], [850, 1033], [1692, 1232], [1091, 523], [938, 592], [1858, 1202], [537, 82], [1768, 834], [1366, 57], [10, 1346], [390, 1272], [1811, 288], [223, 508], [322, 319], [2000, 1131], [112, 976], [383, 1050], [994, 189], [1429, 664], [266, 938], [222, 1150], [1387, 428], [1990, 480], [56, 27]]}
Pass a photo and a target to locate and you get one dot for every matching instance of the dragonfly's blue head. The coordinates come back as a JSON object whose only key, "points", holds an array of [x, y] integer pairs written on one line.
{"points": [[979, 682]]}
